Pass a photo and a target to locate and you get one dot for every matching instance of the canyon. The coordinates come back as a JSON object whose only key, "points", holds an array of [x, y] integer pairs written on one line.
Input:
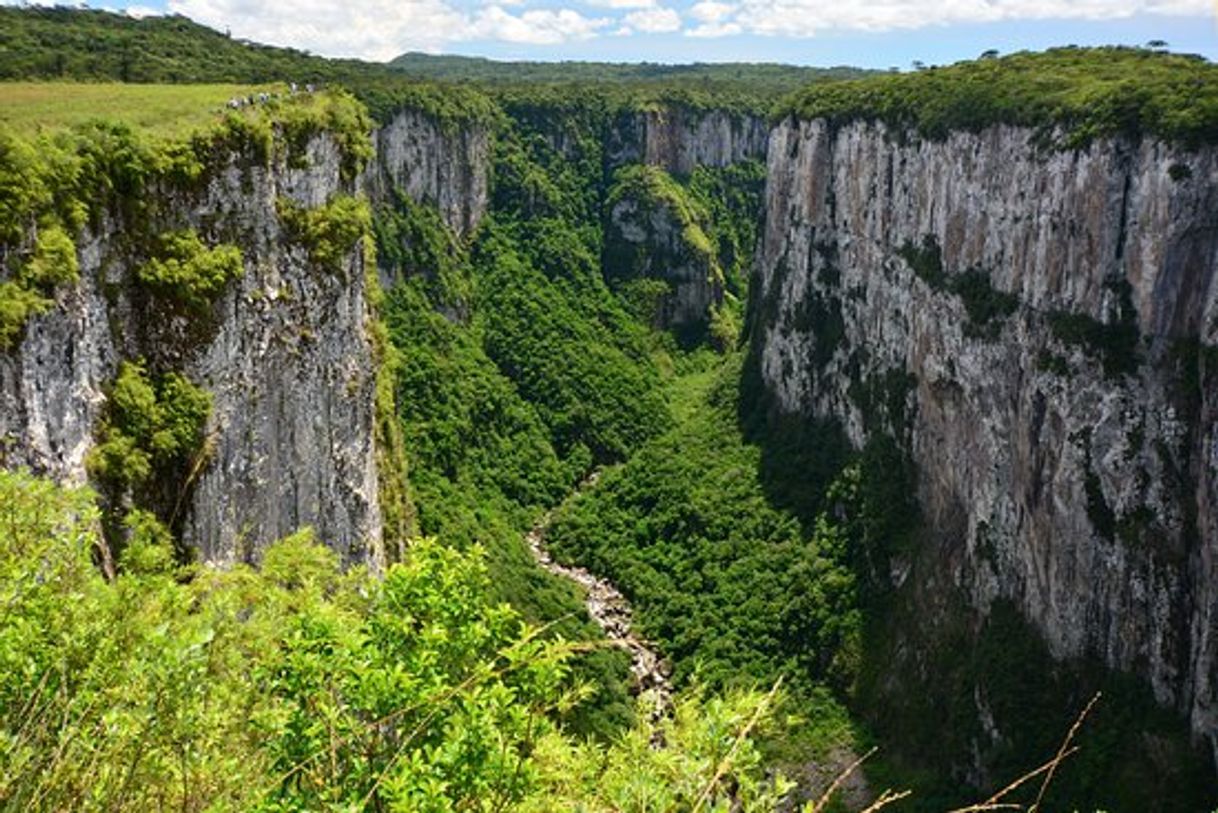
{"points": [[1034, 327]]}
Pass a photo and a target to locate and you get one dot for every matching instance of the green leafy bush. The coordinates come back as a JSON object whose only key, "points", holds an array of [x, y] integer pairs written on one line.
{"points": [[54, 260], [985, 306], [330, 232], [296, 686], [926, 260], [188, 272], [1114, 344], [17, 304], [153, 425], [51, 263]]}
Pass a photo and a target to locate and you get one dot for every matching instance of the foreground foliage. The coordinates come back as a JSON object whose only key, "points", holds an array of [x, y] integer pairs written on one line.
{"points": [[296, 686]]}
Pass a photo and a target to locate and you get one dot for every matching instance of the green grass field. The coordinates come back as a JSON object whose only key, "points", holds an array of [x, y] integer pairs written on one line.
{"points": [[30, 108]]}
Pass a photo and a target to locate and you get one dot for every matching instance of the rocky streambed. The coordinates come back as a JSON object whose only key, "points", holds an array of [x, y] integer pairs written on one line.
{"points": [[612, 613]]}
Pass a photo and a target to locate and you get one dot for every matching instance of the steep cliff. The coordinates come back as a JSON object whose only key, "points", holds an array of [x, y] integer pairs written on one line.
{"points": [[283, 352], [681, 209], [655, 231], [1037, 328], [445, 166], [678, 137]]}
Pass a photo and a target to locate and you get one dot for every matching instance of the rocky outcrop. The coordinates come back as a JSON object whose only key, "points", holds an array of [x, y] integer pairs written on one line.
{"points": [[679, 138], [283, 353], [651, 236], [1043, 328], [448, 167]]}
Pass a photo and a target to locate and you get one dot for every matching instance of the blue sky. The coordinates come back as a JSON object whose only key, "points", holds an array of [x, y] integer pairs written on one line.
{"points": [[868, 33]]}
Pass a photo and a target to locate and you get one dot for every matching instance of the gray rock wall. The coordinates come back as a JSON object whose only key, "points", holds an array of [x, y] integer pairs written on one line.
{"points": [[447, 167], [646, 239], [285, 356], [678, 139], [1089, 496]]}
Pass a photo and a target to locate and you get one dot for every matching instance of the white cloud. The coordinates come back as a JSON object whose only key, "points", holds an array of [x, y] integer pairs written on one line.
{"points": [[376, 29], [709, 30], [808, 17], [536, 27], [140, 12], [654, 20], [622, 4], [710, 11], [382, 29]]}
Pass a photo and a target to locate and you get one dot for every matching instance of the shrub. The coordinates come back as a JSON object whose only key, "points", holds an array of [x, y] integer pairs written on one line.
{"points": [[329, 233], [54, 260], [926, 260], [17, 304], [188, 272], [152, 425], [297, 686]]}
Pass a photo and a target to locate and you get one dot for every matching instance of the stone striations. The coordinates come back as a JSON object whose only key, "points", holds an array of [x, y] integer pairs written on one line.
{"points": [[284, 354], [678, 138], [1052, 320], [447, 167]]}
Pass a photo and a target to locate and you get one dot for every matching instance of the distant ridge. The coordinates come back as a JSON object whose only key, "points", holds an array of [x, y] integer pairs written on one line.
{"points": [[94, 45], [480, 69]]}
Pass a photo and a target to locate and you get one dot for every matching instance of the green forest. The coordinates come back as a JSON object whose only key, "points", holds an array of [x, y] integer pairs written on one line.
{"points": [[755, 547]]}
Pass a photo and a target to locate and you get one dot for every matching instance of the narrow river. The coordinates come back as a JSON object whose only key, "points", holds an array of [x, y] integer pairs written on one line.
{"points": [[611, 612]]}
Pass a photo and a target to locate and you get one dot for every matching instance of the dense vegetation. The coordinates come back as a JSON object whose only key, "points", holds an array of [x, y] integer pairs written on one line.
{"points": [[1073, 95], [520, 372], [68, 172], [300, 687], [733, 588], [762, 77]]}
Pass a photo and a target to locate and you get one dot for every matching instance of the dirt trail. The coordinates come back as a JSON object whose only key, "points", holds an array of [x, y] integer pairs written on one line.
{"points": [[611, 612]]}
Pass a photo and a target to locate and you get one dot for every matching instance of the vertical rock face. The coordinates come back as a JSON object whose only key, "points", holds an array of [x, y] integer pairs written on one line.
{"points": [[1050, 321], [651, 229], [293, 378], [647, 239], [678, 138], [447, 167], [284, 354]]}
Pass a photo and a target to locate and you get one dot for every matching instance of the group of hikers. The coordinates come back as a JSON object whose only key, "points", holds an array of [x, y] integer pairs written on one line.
{"points": [[238, 102]]}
